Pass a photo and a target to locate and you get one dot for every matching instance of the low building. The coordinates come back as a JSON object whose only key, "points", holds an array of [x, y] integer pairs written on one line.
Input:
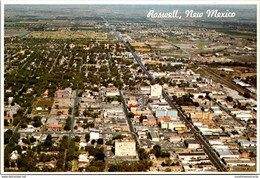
{"points": [[191, 144], [112, 92], [154, 136], [142, 135], [238, 162], [54, 127], [64, 93], [194, 155], [83, 160], [201, 115], [175, 139], [176, 126], [94, 135]]}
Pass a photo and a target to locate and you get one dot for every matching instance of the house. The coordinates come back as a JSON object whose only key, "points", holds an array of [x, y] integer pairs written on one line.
{"points": [[51, 152], [54, 127], [82, 144], [152, 157], [83, 160], [50, 166], [14, 155]]}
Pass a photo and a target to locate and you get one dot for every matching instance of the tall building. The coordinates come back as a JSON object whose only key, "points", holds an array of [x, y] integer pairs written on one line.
{"points": [[156, 90], [125, 147]]}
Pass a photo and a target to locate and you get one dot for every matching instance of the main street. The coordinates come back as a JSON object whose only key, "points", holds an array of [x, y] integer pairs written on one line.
{"points": [[75, 104]]}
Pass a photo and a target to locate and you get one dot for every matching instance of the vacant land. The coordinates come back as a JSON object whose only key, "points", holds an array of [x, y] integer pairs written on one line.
{"points": [[44, 103]]}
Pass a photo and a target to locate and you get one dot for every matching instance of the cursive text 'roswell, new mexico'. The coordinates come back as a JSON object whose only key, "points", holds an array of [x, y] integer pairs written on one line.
{"points": [[210, 13]]}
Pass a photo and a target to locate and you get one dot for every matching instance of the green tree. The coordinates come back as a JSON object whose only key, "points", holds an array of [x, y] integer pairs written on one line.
{"points": [[49, 137], [229, 98], [37, 124], [156, 150], [87, 137], [68, 124], [77, 139], [143, 154], [247, 95], [6, 123], [32, 139], [131, 115], [93, 142], [100, 141]]}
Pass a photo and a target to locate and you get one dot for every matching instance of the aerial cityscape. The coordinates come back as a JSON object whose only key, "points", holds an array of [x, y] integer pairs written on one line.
{"points": [[130, 88]]}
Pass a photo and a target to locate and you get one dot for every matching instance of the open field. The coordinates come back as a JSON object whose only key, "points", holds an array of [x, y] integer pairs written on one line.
{"points": [[141, 47], [234, 33], [44, 102], [67, 35], [157, 39]]}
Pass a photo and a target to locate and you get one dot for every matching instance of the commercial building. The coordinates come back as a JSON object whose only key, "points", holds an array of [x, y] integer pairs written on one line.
{"points": [[125, 147], [156, 90]]}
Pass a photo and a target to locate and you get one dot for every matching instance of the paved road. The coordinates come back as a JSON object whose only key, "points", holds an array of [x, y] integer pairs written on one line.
{"points": [[74, 106], [57, 59], [130, 122]]}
